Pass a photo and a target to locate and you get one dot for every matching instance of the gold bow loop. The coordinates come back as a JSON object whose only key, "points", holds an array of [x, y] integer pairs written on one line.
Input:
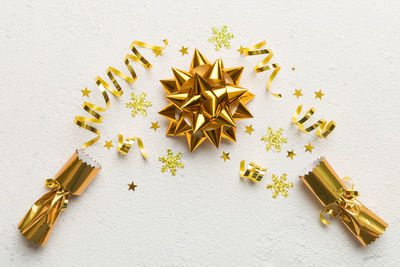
{"points": [[55, 185]]}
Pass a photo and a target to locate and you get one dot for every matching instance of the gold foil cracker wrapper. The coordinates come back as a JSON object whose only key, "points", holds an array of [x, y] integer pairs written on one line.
{"points": [[324, 129], [205, 102], [103, 86], [342, 202], [263, 65], [252, 171], [72, 179]]}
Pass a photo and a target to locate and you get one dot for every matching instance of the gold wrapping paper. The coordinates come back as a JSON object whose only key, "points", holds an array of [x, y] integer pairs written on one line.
{"points": [[72, 179], [341, 202]]}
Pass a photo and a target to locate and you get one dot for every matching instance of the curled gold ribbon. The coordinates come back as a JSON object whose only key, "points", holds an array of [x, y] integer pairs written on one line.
{"points": [[124, 147], [252, 171], [323, 129], [263, 65], [347, 198], [102, 85]]}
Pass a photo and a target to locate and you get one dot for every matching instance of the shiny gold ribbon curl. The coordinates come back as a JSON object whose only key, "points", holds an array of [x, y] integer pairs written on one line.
{"points": [[263, 65], [346, 200], [324, 129], [102, 85], [124, 147], [252, 171]]}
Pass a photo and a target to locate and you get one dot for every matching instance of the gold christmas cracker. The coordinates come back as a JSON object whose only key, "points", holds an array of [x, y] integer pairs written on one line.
{"points": [[341, 202], [263, 65], [323, 129], [103, 86], [252, 171], [72, 179]]}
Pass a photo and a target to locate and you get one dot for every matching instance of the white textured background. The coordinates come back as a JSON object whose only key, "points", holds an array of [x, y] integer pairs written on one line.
{"points": [[205, 215]]}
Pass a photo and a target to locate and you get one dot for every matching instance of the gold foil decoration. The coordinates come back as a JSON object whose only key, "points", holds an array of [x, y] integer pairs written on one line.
{"points": [[103, 86], [124, 146], [339, 201], [72, 179], [252, 171], [323, 129], [205, 102], [279, 186], [263, 65], [171, 162]]}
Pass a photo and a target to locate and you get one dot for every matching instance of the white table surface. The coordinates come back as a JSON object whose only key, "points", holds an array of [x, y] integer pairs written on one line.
{"points": [[205, 215]]}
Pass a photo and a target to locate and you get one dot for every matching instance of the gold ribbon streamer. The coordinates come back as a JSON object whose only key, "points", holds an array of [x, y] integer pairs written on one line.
{"points": [[103, 86], [252, 171], [124, 147], [323, 129], [262, 66]]}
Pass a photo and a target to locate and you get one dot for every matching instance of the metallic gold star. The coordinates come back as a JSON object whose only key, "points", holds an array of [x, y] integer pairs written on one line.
{"points": [[290, 154], [132, 186], [85, 92], [225, 156], [297, 93], [157, 52], [241, 50], [319, 94], [249, 129], [154, 125], [184, 50], [108, 144], [279, 186], [309, 147]]}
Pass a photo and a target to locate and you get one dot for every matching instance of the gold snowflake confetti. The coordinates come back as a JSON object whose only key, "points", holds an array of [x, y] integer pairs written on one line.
{"points": [[279, 186], [171, 162], [273, 140], [221, 37], [139, 104]]}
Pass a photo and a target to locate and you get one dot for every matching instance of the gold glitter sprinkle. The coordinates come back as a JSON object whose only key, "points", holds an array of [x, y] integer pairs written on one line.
{"points": [[297, 93], [171, 162], [293, 68], [132, 186], [154, 125], [221, 37], [85, 92], [108, 144], [249, 129], [157, 52], [225, 156], [279, 186], [184, 50], [319, 94], [290, 154], [309, 147], [139, 104], [273, 140]]}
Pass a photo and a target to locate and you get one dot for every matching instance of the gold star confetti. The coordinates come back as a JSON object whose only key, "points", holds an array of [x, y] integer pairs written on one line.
{"points": [[85, 92], [279, 186], [273, 140], [309, 147], [184, 50], [319, 94], [290, 154], [132, 186], [225, 156], [108, 144], [154, 125], [139, 104], [249, 129], [293, 68], [297, 93], [171, 162], [157, 52], [221, 37], [241, 50]]}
